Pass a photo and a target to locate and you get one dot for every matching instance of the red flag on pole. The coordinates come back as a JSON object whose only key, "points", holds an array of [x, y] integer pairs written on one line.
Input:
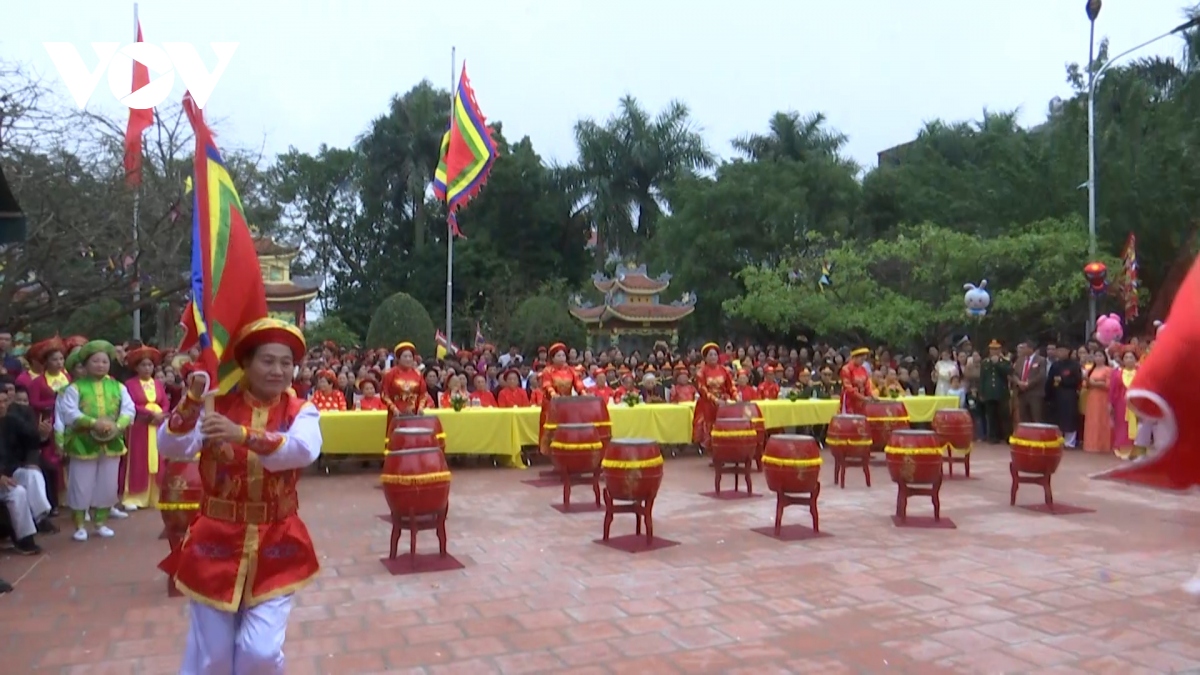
{"points": [[139, 120]]}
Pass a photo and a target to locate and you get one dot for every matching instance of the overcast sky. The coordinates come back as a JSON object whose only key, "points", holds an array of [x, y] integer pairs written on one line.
{"points": [[307, 73]]}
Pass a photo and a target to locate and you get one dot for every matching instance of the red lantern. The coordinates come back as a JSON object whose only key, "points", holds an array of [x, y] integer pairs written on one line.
{"points": [[1096, 274]]}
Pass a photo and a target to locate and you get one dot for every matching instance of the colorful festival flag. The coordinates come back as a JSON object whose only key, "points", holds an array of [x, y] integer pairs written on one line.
{"points": [[1130, 283], [227, 284], [468, 152], [139, 121], [479, 339], [826, 276], [444, 347]]}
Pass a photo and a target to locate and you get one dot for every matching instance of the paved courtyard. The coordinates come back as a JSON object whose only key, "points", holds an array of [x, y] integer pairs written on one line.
{"points": [[1008, 591]]}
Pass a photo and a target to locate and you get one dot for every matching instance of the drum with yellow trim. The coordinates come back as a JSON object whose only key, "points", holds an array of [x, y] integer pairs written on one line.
{"points": [[633, 469], [884, 417], [580, 410], [416, 481], [1036, 448], [914, 456], [734, 440], [179, 494], [956, 429], [792, 463], [746, 410], [430, 422], [576, 448]]}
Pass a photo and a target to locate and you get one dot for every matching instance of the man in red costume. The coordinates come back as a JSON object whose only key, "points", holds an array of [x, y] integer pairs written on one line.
{"points": [[403, 388], [558, 379], [248, 551], [714, 383], [601, 387], [856, 383], [683, 391]]}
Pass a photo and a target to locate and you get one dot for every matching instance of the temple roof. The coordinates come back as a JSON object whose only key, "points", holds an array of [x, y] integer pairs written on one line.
{"points": [[632, 279], [267, 246], [640, 312], [299, 288]]}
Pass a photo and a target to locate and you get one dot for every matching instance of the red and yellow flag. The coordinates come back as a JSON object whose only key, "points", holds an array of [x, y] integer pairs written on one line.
{"points": [[468, 152], [227, 285]]}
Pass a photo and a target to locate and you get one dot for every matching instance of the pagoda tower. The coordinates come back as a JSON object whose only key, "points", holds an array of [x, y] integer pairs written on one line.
{"points": [[287, 298], [632, 307]]}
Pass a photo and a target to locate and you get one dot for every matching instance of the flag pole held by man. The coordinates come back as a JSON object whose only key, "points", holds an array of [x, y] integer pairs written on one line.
{"points": [[248, 551]]}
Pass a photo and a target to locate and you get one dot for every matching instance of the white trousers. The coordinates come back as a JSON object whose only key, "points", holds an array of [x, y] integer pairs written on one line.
{"points": [[35, 490], [92, 483], [246, 642], [16, 500]]}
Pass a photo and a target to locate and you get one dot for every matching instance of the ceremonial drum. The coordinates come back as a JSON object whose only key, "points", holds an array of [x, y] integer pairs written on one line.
{"points": [[847, 432], [430, 422], [633, 469], [409, 438], [580, 410], [416, 478], [884, 417], [576, 448], [734, 440], [745, 410], [914, 456], [1036, 448], [792, 463], [956, 429], [179, 495]]}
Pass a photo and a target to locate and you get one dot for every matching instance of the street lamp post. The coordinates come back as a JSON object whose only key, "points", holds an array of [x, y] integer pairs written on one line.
{"points": [[1093, 10]]}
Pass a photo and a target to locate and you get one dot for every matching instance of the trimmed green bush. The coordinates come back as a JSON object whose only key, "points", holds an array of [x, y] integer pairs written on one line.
{"points": [[398, 319]]}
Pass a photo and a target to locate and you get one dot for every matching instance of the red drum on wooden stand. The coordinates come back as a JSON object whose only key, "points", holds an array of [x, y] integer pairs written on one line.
{"points": [[747, 410], [849, 441], [179, 495], [576, 452], [733, 447], [884, 417], [579, 410], [914, 457], [957, 431], [416, 485], [633, 472], [1035, 450], [792, 465], [430, 422]]}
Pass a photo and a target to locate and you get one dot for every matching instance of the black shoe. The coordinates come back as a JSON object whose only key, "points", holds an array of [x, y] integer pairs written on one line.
{"points": [[47, 526], [27, 547], [5, 587]]}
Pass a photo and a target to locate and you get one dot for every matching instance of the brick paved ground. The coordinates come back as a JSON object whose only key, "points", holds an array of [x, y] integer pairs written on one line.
{"points": [[1008, 591]]}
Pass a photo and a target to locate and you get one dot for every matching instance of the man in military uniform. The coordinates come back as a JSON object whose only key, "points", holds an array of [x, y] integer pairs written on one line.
{"points": [[994, 376]]}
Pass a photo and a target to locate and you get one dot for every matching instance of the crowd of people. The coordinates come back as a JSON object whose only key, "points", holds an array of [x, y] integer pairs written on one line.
{"points": [[49, 420], [1079, 389]]}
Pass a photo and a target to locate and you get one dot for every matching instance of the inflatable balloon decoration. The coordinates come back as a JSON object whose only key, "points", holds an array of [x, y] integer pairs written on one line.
{"points": [[1096, 274], [977, 299], [1108, 329]]}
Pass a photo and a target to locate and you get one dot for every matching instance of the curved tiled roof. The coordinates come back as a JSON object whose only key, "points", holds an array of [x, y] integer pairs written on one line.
{"points": [[269, 247], [632, 312]]}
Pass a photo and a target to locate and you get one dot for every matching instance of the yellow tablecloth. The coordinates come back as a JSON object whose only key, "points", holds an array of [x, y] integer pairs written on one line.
{"points": [[502, 431], [474, 431], [663, 422], [814, 412]]}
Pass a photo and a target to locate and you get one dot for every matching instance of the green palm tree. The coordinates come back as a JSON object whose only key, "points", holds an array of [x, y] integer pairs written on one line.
{"points": [[792, 137], [624, 167]]}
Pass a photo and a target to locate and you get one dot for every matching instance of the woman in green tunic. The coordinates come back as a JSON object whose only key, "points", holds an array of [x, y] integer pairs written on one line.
{"points": [[93, 412]]}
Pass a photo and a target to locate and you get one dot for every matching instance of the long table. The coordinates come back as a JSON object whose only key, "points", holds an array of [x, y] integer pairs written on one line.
{"points": [[502, 431]]}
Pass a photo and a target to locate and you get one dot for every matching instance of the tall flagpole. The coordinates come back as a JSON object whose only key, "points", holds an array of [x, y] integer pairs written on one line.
{"points": [[137, 192], [450, 233]]}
